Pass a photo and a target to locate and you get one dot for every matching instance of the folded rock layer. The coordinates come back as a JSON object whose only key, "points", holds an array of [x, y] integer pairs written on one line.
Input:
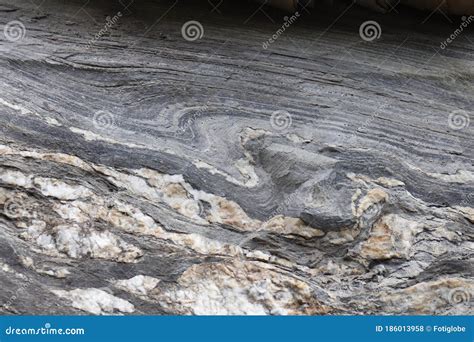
{"points": [[145, 173]]}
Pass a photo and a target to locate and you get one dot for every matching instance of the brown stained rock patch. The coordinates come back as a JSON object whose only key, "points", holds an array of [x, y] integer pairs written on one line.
{"points": [[175, 190], [373, 197], [430, 298], [231, 213], [467, 212], [291, 226], [390, 237], [239, 287]]}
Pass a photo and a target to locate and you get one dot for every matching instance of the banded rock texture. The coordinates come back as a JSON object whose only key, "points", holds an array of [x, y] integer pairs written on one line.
{"points": [[143, 173]]}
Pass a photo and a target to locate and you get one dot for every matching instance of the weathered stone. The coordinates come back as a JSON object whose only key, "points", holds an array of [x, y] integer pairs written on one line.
{"points": [[142, 173]]}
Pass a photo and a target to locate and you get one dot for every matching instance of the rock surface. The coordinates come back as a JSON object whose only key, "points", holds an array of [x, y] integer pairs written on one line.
{"points": [[145, 173]]}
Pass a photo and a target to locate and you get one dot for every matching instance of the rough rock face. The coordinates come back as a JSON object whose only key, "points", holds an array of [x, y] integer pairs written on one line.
{"points": [[143, 173]]}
